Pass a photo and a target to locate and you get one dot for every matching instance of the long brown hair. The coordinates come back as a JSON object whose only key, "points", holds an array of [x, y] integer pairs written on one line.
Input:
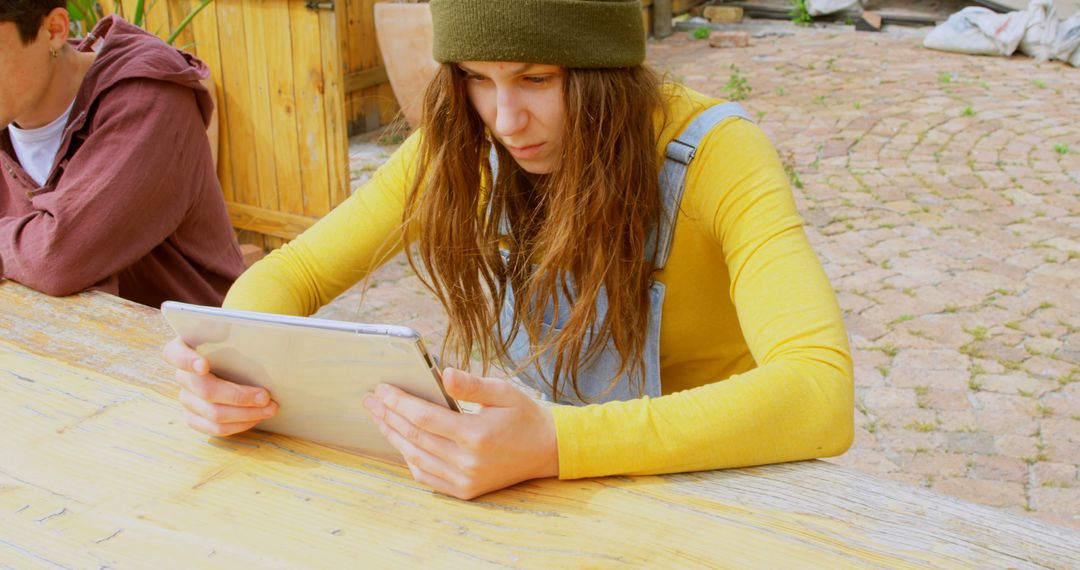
{"points": [[580, 228]]}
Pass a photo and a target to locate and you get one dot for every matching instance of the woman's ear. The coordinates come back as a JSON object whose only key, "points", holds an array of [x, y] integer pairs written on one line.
{"points": [[57, 25]]}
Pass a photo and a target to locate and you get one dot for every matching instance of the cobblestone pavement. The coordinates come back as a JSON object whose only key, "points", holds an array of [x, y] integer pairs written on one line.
{"points": [[942, 193]]}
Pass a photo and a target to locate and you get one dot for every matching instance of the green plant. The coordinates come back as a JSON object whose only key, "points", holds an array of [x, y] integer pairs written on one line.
{"points": [[700, 33], [84, 16], [968, 112], [792, 175], [86, 13], [1061, 148], [945, 77], [737, 86], [800, 14]]}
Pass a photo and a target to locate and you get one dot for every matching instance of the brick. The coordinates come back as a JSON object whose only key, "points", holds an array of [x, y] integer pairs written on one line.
{"points": [[868, 22], [729, 39], [723, 14], [251, 253]]}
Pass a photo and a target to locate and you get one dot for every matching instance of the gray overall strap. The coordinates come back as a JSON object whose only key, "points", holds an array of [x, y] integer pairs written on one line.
{"points": [[679, 153], [493, 160]]}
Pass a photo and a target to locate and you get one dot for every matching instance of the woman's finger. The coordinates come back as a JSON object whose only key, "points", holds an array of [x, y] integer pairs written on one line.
{"points": [[430, 417], [184, 357], [224, 414], [419, 458], [434, 444], [217, 391], [201, 424]]}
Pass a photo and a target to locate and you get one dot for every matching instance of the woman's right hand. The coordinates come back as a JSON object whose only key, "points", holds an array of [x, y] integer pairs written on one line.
{"points": [[212, 405]]}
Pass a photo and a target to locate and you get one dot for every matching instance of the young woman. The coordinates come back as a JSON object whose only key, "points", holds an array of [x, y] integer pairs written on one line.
{"points": [[609, 239]]}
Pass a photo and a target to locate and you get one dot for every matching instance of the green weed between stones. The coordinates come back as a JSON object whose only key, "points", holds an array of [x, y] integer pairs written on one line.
{"points": [[800, 14], [737, 87], [700, 33], [1061, 148]]}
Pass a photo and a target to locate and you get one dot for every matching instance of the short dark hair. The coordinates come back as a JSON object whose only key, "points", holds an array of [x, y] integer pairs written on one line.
{"points": [[27, 15]]}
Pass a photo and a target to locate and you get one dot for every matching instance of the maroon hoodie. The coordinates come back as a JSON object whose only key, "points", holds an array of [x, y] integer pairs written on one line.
{"points": [[132, 205]]}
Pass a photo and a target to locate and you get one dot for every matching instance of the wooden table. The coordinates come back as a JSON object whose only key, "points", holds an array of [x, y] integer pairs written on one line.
{"points": [[97, 469]]}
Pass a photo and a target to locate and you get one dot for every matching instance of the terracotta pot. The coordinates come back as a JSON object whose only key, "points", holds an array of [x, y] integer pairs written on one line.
{"points": [[404, 32]]}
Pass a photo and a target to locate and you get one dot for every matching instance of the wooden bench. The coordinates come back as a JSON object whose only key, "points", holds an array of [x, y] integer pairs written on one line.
{"points": [[98, 469]]}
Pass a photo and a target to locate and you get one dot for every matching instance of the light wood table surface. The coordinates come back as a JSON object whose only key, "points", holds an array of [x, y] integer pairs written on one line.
{"points": [[98, 469]]}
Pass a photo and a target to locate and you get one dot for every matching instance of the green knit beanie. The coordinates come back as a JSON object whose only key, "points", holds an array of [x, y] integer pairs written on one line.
{"points": [[568, 33]]}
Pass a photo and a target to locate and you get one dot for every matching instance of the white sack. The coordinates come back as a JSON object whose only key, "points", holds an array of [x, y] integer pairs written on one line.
{"points": [[822, 7], [1067, 46], [979, 31], [1042, 30]]}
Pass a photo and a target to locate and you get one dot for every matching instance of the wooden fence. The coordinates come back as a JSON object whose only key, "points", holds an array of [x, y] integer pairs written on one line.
{"points": [[290, 76], [294, 78]]}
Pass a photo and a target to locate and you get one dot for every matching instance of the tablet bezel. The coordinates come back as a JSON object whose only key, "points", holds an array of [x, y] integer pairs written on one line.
{"points": [[351, 430]]}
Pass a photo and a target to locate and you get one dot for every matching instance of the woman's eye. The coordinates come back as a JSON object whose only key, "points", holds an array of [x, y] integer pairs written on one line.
{"points": [[537, 79], [474, 77]]}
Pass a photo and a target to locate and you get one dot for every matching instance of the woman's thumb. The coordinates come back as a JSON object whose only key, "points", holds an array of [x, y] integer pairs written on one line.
{"points": [[462, 385]]}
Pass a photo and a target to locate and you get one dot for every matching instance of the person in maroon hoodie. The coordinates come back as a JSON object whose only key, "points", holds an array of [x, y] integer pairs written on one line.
{"points": [[106, 176]]}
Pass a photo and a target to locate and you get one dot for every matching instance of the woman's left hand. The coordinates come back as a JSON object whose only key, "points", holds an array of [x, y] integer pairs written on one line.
{"points": [[509, 440]]}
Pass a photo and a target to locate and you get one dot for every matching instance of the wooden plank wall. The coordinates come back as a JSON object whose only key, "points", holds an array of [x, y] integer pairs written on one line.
{"points": [[278, 72], [678, 7], [372, 106]]}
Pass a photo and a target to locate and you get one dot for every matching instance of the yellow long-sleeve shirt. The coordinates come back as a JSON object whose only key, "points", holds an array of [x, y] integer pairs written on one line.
{"points": [[754, 358]]}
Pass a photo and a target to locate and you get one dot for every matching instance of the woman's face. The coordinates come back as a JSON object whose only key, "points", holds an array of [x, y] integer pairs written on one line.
{"points": [[522, 106]]}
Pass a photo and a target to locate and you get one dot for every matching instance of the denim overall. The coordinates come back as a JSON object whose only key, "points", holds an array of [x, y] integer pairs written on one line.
{"points": [[595, 376]]}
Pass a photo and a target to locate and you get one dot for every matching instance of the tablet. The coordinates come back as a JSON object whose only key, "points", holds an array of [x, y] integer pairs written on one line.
{"points": [[317, 370]]}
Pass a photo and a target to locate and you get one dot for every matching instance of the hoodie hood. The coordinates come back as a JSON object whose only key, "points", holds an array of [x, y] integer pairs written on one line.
{"points": [[125, 51]]}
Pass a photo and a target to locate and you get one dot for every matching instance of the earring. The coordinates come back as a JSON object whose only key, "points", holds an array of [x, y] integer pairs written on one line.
{"points": [[55, 53]]}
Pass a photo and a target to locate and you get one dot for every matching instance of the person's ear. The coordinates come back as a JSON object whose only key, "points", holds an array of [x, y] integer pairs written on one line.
{"points": [[57, 25]]}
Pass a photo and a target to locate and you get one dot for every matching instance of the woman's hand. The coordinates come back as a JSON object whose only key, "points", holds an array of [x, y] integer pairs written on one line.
{"points": [[509, 440], [212, 405]]}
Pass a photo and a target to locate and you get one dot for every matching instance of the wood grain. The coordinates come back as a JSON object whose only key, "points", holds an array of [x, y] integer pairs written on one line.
{"points": [[98, 470]]}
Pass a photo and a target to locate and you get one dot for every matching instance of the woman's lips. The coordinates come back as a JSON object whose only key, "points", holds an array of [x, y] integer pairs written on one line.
{"points": [[528, 151]]}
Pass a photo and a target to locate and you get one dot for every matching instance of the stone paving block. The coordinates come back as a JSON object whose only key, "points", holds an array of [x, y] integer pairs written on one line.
{"points": [[940, 464], [945, 400], [958, 421], [911, 377], [999, 467], [941, 359], [887, 400], [1055, 475], [1063, 451], [1016, 384], [1002, 421], [1057, 500], [993, 493], [1017, 446], [974, 442]]}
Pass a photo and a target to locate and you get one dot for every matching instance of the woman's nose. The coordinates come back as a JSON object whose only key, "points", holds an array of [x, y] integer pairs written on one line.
{"points": [[510, 116]]}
